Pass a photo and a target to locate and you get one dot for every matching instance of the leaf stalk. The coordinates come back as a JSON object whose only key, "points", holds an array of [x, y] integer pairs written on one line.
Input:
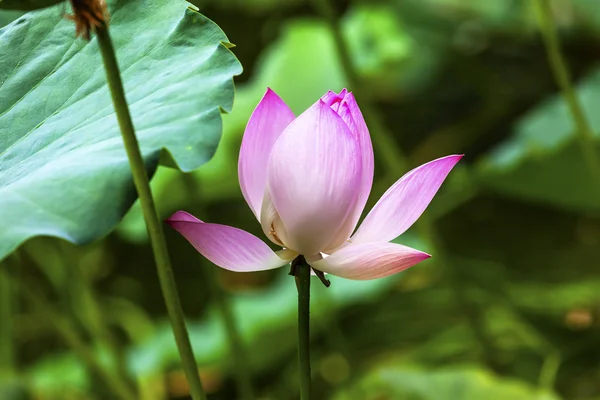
{"points": [[153, 225], [563, 79]]}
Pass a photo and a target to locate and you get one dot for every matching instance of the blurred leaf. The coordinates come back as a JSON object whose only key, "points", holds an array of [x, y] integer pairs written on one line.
{"points": [[588, 11], [455, 383], [376, 38], [253, 7], [12, 388], [63, 169], [58, 376], [265, 329], [384, 54], [556, 299], [542, 161], [261, 325], [489, 12]]}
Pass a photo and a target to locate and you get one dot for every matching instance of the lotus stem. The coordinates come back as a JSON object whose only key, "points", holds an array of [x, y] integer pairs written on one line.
{"points": [[301, 270], [562, 76], [154, 226]]}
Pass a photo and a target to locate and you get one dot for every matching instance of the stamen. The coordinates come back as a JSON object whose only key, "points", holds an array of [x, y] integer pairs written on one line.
{"points": [[274, 235]]}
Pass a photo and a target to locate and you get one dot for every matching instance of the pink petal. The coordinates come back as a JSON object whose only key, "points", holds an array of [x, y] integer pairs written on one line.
{"points": [[333, 99], [228, 247], [363, 261], [313, 177], [405, 201], [269, 119], [366, 149], [349, 111]]}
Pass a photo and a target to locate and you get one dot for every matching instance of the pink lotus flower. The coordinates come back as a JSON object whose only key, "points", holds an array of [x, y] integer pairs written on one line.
{"points": [[307, 180]]}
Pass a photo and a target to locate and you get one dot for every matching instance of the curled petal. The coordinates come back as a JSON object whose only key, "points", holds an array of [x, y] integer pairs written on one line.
{"points": [[269, 119], [228, 247], [313, 178], [405, 201], [364, 261], [333, 99]]}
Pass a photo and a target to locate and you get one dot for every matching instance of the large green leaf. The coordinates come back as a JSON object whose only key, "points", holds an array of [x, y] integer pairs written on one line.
{"points": [[63, 169]]}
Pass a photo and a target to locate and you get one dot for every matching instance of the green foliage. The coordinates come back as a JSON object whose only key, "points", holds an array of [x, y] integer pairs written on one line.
{"points": [[259, 323], [63, 170], [456, 383], [512, 286], [542, 160]]}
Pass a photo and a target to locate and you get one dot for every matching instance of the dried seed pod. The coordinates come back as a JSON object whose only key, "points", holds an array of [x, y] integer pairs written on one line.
{"points": [[88, 15]]}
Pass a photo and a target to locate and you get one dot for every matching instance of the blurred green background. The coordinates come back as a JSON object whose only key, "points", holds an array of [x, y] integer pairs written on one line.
{"points": [[507, 308]]}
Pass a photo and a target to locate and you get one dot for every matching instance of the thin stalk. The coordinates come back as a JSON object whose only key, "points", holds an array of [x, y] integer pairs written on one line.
{"points": [[397, 163], [301, 271], [243, 375], [83, 305], [154, 226], [549, 369], [7, 345], [563, 79], [86, 306], [71, 337]]}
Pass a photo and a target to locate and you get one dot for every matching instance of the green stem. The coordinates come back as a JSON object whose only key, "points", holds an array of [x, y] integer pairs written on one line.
{"points": [[563, 79], [69, 334], [87, 308], [397, 163], [301, 271], [154, 226], [6, 329]]}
